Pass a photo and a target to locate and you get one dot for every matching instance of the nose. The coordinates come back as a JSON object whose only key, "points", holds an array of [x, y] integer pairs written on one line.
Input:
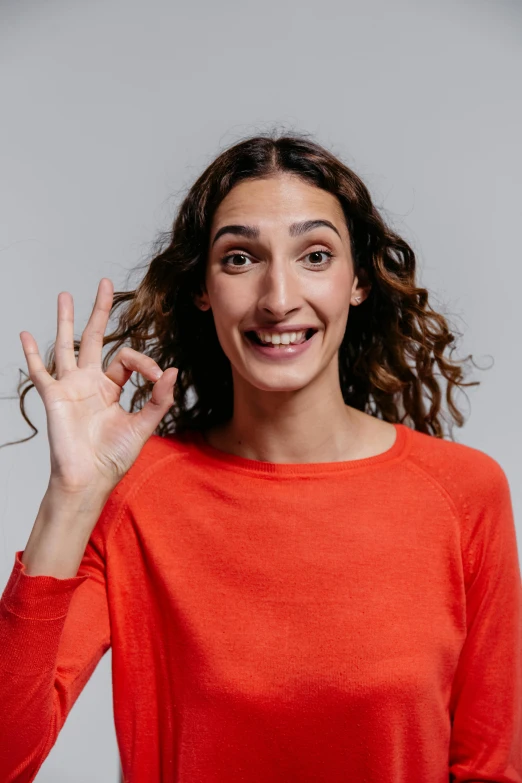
{"points": [[279, 289]]}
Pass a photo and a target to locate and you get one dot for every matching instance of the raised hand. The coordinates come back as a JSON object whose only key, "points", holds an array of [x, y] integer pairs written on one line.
{"points": [[93, 439]]}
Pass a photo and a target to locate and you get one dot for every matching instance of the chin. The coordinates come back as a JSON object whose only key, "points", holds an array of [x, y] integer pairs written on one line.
{"points": [[278, 379]]}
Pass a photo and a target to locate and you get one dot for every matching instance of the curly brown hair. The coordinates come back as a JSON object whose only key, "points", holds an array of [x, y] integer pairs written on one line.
{"points": [[391, 341]]}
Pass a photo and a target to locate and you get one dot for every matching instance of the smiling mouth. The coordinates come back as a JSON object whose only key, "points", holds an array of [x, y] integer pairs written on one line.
{"points": [[255, 339]]}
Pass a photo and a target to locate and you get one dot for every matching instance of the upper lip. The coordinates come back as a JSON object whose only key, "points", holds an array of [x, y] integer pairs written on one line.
{"points": [[280, 328]]}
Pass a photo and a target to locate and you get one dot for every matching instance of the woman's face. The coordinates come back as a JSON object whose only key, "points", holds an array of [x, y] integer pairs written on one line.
{"points": [[261, 272]]}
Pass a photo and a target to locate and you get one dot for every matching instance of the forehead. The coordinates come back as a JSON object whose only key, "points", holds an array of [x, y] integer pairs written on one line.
{"points": [[281, 198]]}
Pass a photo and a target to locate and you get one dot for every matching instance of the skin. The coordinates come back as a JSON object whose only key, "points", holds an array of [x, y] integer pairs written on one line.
{"points": [[289, 411]]}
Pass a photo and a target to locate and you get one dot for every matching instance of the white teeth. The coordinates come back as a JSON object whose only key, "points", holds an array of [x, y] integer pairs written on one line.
{"points": [[285, 338]]}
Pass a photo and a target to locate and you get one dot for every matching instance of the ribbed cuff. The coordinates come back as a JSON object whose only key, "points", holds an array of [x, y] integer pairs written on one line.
{"points": [[38, 597]]}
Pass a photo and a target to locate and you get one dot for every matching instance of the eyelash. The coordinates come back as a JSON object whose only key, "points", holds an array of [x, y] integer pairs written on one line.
{"points": [[319, 266]]}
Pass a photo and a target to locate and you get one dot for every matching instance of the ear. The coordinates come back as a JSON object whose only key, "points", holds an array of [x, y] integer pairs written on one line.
{"points": [[201, 301], [361, 288]]}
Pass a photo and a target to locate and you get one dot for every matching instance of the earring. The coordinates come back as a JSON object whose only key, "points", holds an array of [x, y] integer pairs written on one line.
{"points": [[357, 298]]}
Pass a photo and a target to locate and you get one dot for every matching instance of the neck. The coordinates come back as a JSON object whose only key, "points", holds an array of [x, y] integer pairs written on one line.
{"points": [[310, 425]]}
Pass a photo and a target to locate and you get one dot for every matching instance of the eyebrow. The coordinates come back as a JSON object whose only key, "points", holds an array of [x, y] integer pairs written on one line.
{"points": [[295, 229]]}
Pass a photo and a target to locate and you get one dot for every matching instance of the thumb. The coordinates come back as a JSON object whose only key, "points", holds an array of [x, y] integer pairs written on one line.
{"points": [[147, 419]]}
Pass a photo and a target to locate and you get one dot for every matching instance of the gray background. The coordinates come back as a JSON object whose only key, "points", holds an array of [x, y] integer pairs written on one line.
{"points": [[111, 109]]}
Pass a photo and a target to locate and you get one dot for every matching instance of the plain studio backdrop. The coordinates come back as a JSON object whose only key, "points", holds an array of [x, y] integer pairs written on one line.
{"points": [[110, 110]]}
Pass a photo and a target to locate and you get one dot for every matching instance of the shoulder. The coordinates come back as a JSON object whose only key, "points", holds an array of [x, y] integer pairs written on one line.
{"points": [[476, 488], [468, 475], [158, 453]]}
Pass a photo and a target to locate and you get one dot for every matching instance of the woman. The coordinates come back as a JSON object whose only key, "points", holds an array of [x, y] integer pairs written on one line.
{"points": [[296, 585]]}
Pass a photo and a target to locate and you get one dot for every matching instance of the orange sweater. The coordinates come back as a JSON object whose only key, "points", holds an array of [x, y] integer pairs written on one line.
{"points": [[314, 623]]}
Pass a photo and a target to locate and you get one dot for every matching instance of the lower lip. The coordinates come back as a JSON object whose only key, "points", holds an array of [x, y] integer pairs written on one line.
{"points": [[281, 352]]}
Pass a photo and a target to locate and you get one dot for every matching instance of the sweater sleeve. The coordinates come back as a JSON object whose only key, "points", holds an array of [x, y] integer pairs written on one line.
{"points": [[486, 695], [53, 633]]}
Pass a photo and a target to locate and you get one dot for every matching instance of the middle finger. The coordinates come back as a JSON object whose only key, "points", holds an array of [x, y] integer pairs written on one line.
{"points": [[91, 343]]}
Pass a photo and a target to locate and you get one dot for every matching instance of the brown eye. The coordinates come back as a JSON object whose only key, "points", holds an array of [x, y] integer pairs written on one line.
{"points": [[319, 253], [316, 254], [224, 260]]}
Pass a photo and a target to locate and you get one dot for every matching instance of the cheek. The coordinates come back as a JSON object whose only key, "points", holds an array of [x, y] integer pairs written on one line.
{"points": [[229, 312], [232, 299], [226, 299], [229, 306], [330, 297]]}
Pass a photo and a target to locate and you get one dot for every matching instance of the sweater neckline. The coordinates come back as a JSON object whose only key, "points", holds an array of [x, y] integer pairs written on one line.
{"points": [[222, 459]]}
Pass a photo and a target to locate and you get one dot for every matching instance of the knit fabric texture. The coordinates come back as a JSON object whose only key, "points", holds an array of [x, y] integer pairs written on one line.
{"points": [[268, 622]]}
